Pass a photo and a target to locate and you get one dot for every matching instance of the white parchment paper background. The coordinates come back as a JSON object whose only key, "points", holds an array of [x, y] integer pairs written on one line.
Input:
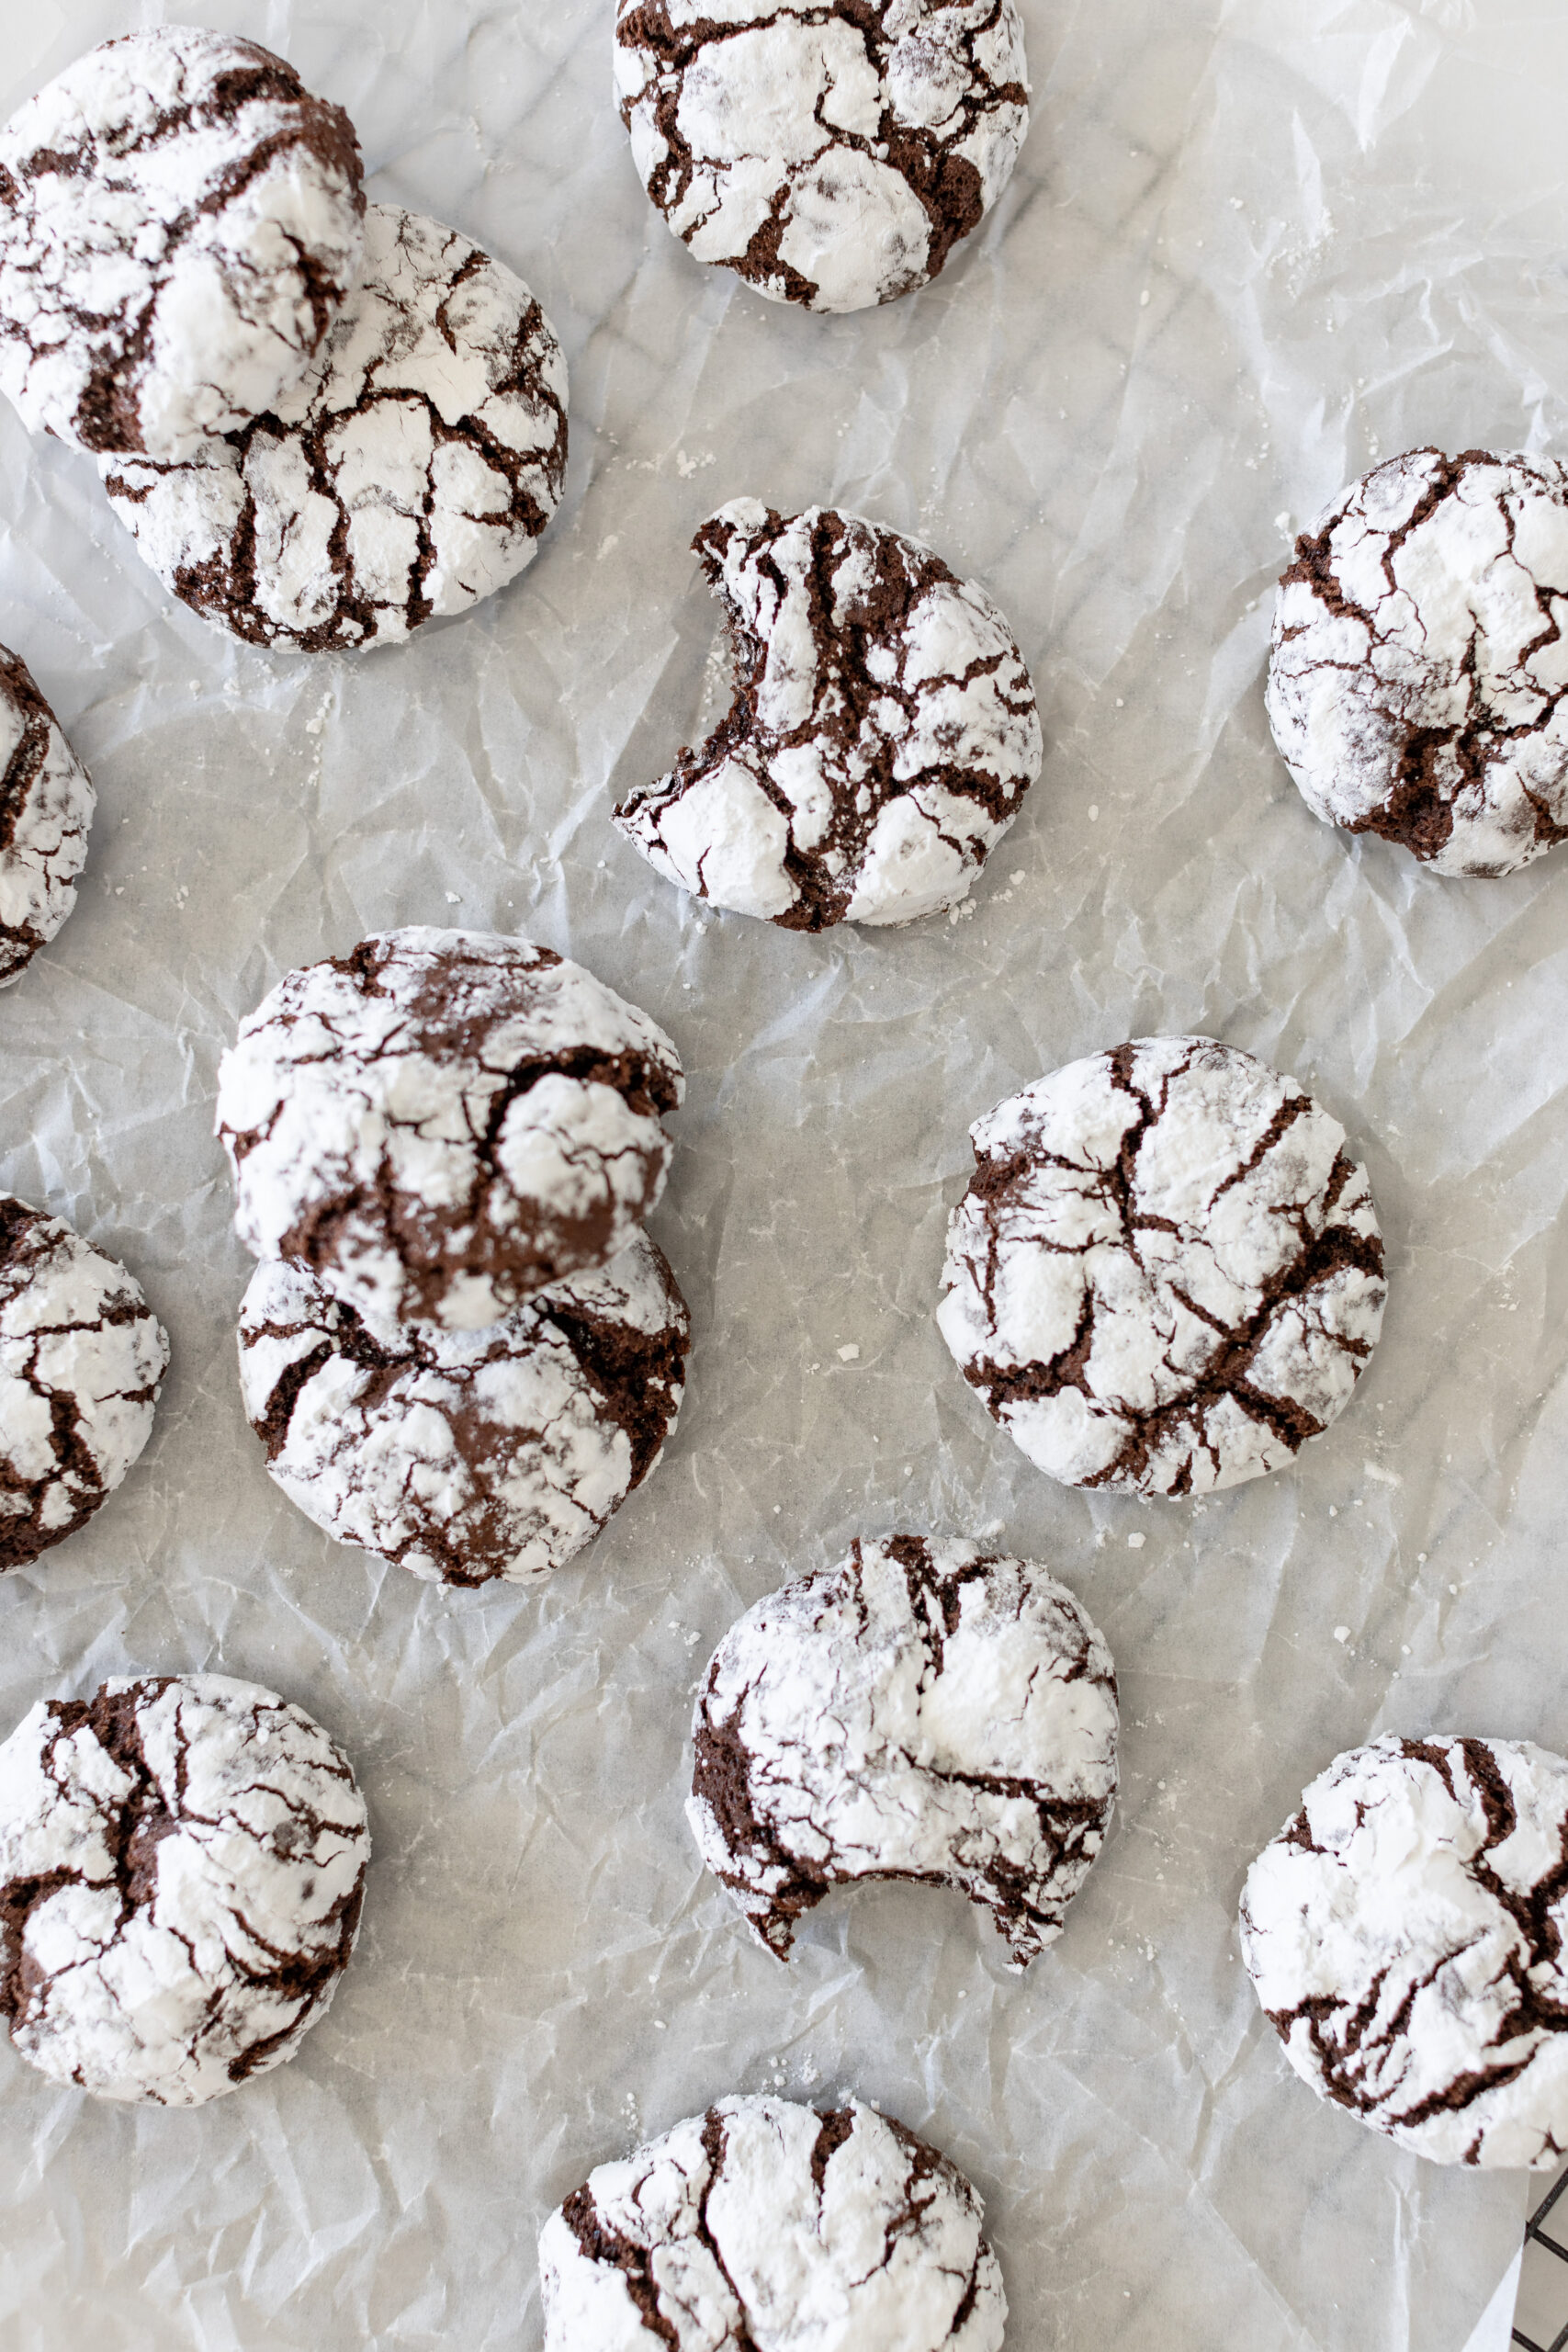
{"points": [[1249, 248]]}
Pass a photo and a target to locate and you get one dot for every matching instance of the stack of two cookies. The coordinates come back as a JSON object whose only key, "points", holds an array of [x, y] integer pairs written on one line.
{"points": [[325, 422], [460, 1350]]}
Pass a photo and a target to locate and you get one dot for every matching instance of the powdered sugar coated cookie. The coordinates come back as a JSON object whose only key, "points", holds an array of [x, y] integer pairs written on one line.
{"points": [[182, 1865], [925, 1710], [179, 221], [46, 808], [1167, 1274], [831, 153], [884, 732], [766, 2223], [408, 474], [1418, 684], [1406, 1935]]}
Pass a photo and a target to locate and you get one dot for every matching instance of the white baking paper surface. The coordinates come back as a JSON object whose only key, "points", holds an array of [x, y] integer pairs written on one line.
{"points": [[1249, 248]]}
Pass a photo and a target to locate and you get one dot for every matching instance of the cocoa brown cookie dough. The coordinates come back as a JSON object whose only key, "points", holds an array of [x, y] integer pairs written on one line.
{"points": [[180, 220], [830, 152], [766, 2223], [182, 1866], [1418, 684], [444, 1122], [1167, 1274], [1406, 1932], [883, 735], [925, 1710], [468, 1456], [82, 1357], [407, 474], [46, 808]]}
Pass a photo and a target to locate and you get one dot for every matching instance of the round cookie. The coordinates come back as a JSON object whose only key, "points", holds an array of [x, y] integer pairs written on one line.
{"points": [[444, 1122], [409, 472], [182, 1865], [1167, 1274], [179, 221], [925, 1710], [831, 152], [82, 1357], [1406, 1932], [766, 2224], [1417, 682], [471, 1455], [883, 736], [46, 808]]}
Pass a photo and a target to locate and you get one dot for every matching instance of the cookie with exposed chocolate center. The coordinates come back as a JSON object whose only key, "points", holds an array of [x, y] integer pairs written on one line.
{"points": [[830, 152], [1418, 683], [470, 1455], [81, 1358], [925, 1710], [180, 221], [883, 735], [408, 473], [766, 2223], [182, 1866], [1406, 1932], [444, 1122], [1167, 1274], [46, 808]]}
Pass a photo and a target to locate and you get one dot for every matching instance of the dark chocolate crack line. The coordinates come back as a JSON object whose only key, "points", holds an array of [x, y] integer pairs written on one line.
{"points": [[1406, 1935], [408, 473], [832, 153], [1417, 683], [82, 1356], [46, 808], [882, 734], [182, 1866], [767, 2225], [1167, 1274], [444, 1122], [925, 1710], [180, 221], [466, 1456]]}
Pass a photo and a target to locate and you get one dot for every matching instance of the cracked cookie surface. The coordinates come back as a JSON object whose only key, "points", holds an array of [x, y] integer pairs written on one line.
{"points": [[1418, 683], [408, 474], [764, 2227], [81, 1357], [180, 220], [1167, 1274], [182, 1865], [444, 1122], [1405, 1934], [925, 1710], [46, 810], [468, 1456], [882, 734], [830, 152]]}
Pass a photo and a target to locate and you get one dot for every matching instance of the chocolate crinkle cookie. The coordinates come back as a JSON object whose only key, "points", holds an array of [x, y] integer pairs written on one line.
{"points": [[765, 2223], [182, 1865], [46, 808], [1417, 682], [831, 152], [882, 734], [444, 1122], [81, 1357], [1405, 1936], [471, 1456], [1167, 1274], [180, 220], [408, 474], [925, 1710]]}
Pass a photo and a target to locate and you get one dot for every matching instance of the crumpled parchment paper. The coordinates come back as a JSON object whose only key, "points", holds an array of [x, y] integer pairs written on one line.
{"points": [[1248, 249]]}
